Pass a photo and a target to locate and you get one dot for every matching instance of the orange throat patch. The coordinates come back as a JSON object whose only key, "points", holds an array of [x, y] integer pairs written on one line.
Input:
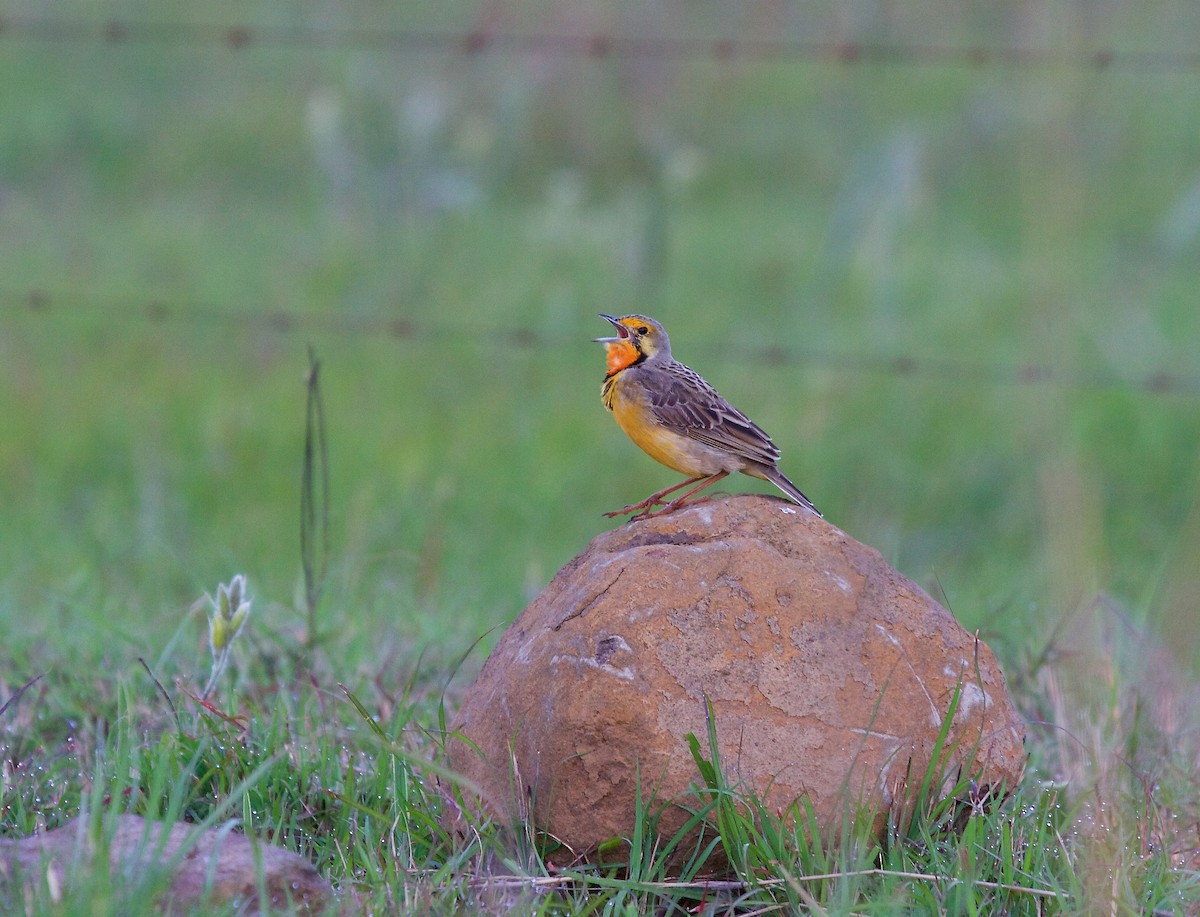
{"points": [[620, 354]]}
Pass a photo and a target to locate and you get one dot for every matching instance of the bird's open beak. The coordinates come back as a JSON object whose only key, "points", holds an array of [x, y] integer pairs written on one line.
{"points": [[622, 331]]}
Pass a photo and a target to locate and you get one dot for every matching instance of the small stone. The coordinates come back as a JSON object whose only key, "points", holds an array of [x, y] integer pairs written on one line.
{"points": [[219, 867]]}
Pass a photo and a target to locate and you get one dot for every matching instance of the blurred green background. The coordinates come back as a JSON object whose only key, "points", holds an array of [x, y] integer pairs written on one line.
{"points": [[960, 288]]}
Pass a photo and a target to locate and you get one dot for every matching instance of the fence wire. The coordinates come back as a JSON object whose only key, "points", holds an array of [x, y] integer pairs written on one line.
{"points": [[601, 44], [238, 37], [400, 327]]}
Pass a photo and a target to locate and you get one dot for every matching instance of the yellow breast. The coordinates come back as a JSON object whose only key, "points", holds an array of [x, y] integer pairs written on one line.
{"points": [[631, 408]]}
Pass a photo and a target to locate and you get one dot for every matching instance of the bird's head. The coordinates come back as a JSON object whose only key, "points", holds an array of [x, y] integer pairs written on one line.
{"points": [[638, 338]]}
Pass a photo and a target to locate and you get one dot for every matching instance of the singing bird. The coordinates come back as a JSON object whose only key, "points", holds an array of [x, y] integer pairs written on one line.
{"points": [[677, 418]]}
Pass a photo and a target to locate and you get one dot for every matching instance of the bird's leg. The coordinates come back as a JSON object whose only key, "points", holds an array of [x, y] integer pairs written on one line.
{"points": [[680, 501], [655, 498]]}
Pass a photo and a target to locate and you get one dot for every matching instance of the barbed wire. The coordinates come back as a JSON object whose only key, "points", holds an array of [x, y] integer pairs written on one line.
{"points": [[405, 328], [603, 44]]}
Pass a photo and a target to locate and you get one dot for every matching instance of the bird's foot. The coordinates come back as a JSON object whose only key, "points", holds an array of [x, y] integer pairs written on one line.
{"points": [[668, 508], [648, 505], [656, 499]]}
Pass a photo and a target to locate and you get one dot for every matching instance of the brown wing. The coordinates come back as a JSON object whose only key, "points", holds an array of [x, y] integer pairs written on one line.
{"points": [[683, 401]]}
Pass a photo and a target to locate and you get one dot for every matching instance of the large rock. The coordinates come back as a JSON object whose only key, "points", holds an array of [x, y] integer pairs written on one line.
{"points": [[830, 676]]}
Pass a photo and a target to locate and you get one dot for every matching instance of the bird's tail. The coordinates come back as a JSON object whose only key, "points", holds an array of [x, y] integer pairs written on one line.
{"points": [[779, 479]]}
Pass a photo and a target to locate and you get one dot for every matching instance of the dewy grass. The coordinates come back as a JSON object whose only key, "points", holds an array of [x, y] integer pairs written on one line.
{"points": [[156, 779], [346, 779]]}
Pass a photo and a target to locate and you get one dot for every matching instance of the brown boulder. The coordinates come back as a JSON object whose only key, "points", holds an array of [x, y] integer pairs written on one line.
{"points": [[829, 673]]}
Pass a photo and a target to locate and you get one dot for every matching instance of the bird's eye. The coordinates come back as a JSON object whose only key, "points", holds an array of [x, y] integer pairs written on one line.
{"points": [[643, 330]]}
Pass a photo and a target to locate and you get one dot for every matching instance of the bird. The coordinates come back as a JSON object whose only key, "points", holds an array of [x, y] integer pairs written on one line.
{"points": [[677, 418]]}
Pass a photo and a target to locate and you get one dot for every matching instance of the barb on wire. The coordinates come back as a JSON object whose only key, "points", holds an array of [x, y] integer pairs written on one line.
{"points": [[238, 36], [401, 327]]}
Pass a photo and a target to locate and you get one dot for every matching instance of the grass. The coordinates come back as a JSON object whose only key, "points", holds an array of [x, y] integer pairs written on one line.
{"points": [[942, 289], [352, 782]]}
